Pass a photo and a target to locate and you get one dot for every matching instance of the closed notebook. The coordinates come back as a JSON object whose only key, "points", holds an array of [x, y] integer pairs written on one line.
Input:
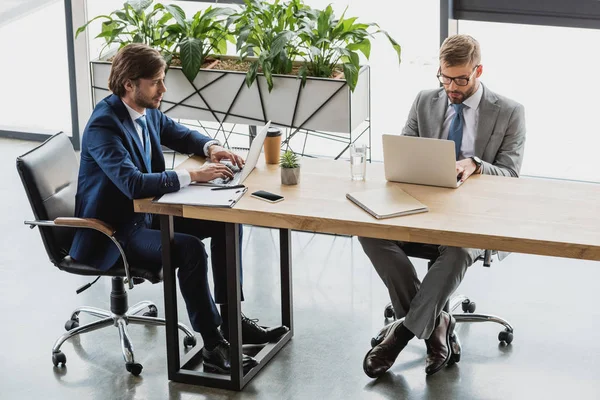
{"points": [[387, 202]]}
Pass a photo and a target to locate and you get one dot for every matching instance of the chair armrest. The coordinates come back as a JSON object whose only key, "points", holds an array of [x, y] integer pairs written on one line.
{"points": [[88, 223], [91, 223]]}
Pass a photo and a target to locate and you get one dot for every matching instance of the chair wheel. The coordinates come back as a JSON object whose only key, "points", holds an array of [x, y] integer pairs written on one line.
{"points": [[389, 313], [506, 336], [59, 358], [152, 312], [72, 324], [469, 306], [134, 368], [189, 341]]}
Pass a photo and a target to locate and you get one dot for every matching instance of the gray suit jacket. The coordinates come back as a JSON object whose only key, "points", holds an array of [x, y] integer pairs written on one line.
{"points": [[500, 136]]}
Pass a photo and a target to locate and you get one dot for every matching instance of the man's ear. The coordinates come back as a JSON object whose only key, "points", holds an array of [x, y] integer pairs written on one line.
{"points": [[479, 70], [129, 85]]}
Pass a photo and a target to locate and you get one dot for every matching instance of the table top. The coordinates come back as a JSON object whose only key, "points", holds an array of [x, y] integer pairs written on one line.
{"points": [[524, 215]]}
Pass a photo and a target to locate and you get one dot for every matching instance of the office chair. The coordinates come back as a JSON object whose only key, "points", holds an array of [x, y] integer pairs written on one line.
{"points": [[49, 176], [431, 253]]}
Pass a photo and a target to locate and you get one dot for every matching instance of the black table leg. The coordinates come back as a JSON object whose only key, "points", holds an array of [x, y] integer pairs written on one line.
{"points": [[179, 368]]}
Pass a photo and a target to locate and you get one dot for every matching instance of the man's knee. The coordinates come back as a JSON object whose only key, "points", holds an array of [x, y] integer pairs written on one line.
{"points": [[371, 245], [189, 251], [460, 255]]}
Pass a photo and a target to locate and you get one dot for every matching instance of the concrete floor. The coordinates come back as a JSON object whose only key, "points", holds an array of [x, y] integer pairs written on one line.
{"points": [[338, 305]]}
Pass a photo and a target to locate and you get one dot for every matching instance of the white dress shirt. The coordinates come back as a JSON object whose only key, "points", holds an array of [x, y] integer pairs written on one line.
{"points": [[184, 176], [471, 116]]}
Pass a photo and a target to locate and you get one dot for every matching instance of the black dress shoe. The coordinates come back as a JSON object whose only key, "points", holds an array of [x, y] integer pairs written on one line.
{"points": [[439, 344], [381, 357], [219, 359], [252, 333]]}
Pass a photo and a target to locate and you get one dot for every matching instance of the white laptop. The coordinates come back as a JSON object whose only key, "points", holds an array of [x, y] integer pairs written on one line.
{"points": [[240, 175], [423, 161]]}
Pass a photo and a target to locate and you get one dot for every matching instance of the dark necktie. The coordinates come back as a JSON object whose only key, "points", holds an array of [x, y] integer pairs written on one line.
{"points": [[141, 121], [456, 127]]}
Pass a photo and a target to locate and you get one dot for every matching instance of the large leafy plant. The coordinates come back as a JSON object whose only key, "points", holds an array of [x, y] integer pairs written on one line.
{"points": [[268, 31], [167, 29], [135, 22], [206, 33], [328, 42]]}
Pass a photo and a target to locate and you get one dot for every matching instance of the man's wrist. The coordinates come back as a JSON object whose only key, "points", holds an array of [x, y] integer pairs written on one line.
{"points": [[208, 145], [478, 164]]}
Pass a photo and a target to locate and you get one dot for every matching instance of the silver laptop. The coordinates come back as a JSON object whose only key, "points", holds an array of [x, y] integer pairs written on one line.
{"points": [[423, 161], [240, 175]]}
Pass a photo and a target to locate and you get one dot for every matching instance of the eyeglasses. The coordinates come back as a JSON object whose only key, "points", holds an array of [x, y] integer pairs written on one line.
{"points": [[460, 81]]}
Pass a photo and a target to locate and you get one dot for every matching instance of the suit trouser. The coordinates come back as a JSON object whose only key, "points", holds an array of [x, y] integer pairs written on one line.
{"points": [[189, 256], [418, 302]]}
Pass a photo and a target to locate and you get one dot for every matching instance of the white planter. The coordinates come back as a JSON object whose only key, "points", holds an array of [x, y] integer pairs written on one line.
{"points": [[222, 96]]}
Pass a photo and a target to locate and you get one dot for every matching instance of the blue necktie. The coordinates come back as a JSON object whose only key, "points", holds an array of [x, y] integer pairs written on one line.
{"points": [[147, 148], [456, 127]]}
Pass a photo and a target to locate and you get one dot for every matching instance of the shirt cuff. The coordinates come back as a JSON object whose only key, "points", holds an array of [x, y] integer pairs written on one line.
{"points": [[184, 178], [208, 144]]}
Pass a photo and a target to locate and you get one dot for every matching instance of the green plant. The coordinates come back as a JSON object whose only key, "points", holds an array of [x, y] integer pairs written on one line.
{"points": [[328, 41], [135, 23], [195, 38], [206, 33], [268, 31], [289, 159]]}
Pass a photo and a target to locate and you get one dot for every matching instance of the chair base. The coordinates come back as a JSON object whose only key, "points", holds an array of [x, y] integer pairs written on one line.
{"points": [[120, 320], [468, 315]]}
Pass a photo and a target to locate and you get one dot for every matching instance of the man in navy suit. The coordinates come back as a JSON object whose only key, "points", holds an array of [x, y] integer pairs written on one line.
{"points": [[122, 160]]}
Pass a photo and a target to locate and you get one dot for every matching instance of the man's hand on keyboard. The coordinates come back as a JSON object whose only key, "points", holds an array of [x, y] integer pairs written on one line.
{"points": [[210, 171], [217, 153]]}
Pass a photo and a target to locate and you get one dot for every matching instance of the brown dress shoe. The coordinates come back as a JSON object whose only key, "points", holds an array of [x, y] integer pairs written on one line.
{"points": [[439, 345], [381, 357]]}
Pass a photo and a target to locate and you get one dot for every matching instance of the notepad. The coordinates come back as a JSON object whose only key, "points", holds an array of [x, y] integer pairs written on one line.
{"points": [[203, 196], [387, 202]]}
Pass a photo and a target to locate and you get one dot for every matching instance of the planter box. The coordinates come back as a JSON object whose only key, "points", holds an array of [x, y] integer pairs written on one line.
{"points": [[222, 96]]}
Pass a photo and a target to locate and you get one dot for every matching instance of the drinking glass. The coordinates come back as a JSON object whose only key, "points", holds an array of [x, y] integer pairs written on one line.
{"points": [[358, 161]]}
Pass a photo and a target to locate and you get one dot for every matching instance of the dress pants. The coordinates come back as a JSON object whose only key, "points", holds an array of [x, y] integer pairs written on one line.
{"points": [[144, 246], [418, 302]]}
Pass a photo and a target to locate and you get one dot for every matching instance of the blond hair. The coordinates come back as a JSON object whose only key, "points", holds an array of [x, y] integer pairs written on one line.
{"points": [[460, 50]]}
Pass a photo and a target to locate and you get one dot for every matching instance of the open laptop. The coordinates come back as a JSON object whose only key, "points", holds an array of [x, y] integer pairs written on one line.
{"points": [[240, 175], [423, 161]]}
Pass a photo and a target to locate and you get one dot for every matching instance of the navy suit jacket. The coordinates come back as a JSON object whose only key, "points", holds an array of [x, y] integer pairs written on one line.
{"points": [[112, 173]]}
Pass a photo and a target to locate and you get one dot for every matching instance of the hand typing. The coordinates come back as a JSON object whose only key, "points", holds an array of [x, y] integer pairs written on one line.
{"points": [[210, 171]]}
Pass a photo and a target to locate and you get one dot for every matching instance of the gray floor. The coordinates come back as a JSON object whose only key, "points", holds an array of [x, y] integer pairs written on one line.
{"points": [[338, 303]]}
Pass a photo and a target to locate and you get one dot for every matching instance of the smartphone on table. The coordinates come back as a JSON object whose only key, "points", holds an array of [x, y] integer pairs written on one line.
{"points": [[267, 196]]}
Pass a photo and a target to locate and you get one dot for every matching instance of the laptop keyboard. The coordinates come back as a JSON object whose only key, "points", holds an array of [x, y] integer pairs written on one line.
{"points": [[223, 181]]}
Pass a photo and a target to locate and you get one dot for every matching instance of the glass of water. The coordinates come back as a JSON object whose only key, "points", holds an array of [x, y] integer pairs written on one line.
{"points": [[358, 161]]}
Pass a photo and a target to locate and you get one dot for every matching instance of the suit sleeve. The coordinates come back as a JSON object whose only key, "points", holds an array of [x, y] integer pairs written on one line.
{"points": [[107, 149], [180, 138], [412, 124], [509, 157]]}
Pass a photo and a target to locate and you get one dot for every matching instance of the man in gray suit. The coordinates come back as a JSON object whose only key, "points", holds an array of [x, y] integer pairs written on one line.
{"points": [[489, 132]]}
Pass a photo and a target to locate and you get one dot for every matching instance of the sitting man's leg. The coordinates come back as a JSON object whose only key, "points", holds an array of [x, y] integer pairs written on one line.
{"points": [[252, 333], [144, 249], [421, 304]]}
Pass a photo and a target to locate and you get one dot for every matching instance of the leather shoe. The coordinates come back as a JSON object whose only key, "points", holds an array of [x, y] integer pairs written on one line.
{"points": [[381, 357], [439, 344], [252, 333], [219, 359]]}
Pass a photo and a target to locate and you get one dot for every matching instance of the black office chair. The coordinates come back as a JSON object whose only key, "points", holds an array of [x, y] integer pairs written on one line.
{"points": [[49, 175], [430, 252]]}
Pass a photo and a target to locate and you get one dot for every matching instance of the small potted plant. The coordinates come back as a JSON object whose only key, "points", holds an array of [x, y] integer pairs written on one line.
{"points": [[290, 169]]}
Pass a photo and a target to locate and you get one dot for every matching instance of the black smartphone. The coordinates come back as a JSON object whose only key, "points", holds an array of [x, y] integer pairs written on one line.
{"points": [[267, 196]]}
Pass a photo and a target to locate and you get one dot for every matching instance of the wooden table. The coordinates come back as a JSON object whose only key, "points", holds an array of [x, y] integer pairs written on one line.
{"points": [[525, 215]]}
